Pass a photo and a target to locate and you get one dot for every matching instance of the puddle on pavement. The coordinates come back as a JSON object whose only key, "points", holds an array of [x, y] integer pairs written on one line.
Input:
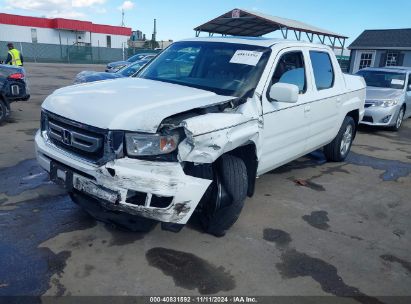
{"points": [[393, 259], [393, 169], [295, 264], [24, 267], [26, 175], [277, 236], [317, 219], [190, 272]]}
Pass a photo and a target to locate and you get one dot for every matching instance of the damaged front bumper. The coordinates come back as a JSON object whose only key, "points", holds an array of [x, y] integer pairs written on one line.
{"points": [[154, 190]]}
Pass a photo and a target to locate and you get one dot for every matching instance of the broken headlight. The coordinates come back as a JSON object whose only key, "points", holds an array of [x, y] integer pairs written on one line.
{"points": [[138, 144]]}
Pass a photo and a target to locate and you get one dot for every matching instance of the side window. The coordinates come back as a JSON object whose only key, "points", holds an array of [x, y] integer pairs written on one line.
{"points": [[409, 82], [323, 70], [291, 69]]}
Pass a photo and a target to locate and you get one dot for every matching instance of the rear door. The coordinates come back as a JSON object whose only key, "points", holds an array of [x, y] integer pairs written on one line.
{"points": [[408, 96], [324, 109], [286, 125]]}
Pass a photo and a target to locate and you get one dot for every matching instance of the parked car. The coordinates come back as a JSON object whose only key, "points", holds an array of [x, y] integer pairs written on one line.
{"points": [[90, 76], [13, 87], [388, 98], [113, 67], [188, 135]]}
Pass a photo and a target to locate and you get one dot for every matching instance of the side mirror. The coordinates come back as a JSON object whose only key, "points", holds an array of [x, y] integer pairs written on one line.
{"points": [[284, 92]]}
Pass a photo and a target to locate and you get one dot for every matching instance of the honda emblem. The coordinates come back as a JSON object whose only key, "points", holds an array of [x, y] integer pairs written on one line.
{"points": [[67, 137]]}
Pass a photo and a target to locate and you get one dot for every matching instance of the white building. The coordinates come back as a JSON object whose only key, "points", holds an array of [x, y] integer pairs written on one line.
{"points": [[17, 28]]}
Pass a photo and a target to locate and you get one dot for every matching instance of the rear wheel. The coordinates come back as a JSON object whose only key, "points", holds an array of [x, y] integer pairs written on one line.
{"points": [[399, 120], [338, 149], [223, 205]]}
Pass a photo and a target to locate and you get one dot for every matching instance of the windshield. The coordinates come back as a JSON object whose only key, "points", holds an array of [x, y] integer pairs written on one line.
{"points": [[224, 68], [132, 68], [383, 79]]}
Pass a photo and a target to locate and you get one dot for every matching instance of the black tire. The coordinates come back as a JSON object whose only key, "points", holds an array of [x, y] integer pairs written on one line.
{"points": [[398, 121], [118, 219], [334, 151], [229, 191], [3, 111]]}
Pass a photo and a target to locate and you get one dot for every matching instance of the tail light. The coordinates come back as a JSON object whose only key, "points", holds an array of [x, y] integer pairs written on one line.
{"points": [[16, 76]]}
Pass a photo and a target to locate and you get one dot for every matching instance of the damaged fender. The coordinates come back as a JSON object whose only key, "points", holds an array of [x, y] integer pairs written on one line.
{"points": [[211, 135]]}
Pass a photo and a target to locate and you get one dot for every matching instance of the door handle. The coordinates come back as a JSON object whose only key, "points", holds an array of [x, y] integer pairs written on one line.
{"points": [[339, 99], [307, 109]]}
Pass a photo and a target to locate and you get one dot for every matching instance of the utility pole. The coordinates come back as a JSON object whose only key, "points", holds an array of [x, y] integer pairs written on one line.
{"points": [[154, 36], [122, 17]]}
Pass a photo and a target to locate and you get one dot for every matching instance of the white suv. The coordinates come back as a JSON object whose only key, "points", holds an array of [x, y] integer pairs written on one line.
{"points": [[196, 127]]}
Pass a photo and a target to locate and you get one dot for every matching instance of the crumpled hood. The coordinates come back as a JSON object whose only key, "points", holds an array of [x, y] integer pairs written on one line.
{"points": [[373, 93], [131, 104]]}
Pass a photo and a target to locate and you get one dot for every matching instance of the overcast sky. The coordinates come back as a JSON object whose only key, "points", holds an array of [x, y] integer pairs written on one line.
{"points": [[176, 19]]}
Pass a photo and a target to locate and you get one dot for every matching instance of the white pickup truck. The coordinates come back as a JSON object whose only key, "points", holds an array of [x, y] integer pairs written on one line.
{"points": [[196, 127]]}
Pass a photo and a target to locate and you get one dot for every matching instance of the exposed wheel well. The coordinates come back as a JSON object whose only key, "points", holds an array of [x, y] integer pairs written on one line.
{"points": [[355, 114], [248, 154]]}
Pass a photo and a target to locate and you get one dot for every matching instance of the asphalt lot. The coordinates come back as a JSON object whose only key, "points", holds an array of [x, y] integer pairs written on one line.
{"points": [[346, 231]]}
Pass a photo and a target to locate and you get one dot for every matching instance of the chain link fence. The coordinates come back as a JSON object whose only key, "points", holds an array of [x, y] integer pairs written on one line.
{"points": [[59, 53], [42, 52]]}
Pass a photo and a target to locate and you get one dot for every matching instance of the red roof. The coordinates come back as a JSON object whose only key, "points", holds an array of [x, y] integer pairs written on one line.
{"points": [[66, 24]]}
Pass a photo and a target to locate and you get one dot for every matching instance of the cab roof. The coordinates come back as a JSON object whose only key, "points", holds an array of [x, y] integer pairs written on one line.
{"points": [[258, 41]]}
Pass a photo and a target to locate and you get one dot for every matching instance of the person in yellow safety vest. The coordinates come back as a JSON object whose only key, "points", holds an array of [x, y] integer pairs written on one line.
{"points": [[14, 56]]}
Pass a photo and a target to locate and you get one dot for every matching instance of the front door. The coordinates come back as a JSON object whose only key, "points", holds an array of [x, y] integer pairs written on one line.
{"points": [[286, 125], [364, 59]]}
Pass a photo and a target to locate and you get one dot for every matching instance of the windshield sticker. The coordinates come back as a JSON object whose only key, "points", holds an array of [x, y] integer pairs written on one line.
{"points": [[246, 57], [397, 82]]}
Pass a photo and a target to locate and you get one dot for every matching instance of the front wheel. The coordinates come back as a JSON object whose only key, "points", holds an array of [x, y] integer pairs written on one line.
{"points": [[338, 149], [229, 191], [399, 120]]}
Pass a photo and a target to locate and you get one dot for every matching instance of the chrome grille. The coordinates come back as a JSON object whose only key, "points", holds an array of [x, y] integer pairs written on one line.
{"points": [[81, 140], [87, 143]]}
